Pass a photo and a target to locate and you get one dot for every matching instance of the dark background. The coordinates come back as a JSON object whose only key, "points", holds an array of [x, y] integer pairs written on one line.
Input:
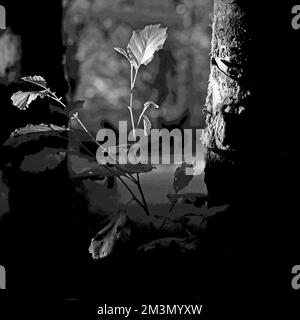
{"points": [[39, 266]]}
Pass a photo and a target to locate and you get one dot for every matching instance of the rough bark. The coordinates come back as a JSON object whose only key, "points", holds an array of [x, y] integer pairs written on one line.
{"points": [[228, 101], [247, 137]]}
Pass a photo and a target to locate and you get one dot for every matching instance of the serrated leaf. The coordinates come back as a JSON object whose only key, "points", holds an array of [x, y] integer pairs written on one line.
{"points": [[115, 234], [144, 43], [147, 125], [147, 105], [33, 132], [38, 80], [22, 99], [181, 179], [122, 51], [33, 128]]}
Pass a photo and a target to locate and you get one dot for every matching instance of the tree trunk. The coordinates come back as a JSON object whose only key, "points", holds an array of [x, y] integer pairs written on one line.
{"points": [[228, 103], [246, 158], [243, 112]]}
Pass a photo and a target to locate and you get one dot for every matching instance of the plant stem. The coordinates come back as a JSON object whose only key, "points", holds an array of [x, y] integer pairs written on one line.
{"points": [[143, 204], [132, 122], [118, 177], [133, 82], [87, 131], [54, 97], [142, 194], [133, 195], [131, 100]]}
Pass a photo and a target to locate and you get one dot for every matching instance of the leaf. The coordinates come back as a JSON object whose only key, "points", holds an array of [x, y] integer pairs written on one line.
{"points": [[33, 132], [75, 106], [85, 168], [122, 51], [22, 99], [181, 179], [32, 128], [48, 158], [147, 105], [143, 44], [170, 245], [133, 168], [110, 238], [147, 125], [97, 173], [58, 110], [38, 80]]}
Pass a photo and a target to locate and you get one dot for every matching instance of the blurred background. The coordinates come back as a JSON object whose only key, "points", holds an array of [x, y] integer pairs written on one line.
{"points": [[177, 77], [70, 43]]}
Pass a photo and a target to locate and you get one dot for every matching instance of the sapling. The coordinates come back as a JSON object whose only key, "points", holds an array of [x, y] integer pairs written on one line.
{"points": [[140, 51]]}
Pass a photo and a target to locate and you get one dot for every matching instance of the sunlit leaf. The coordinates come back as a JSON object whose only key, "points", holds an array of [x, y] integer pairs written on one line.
{"points": [[147, 125], [38, 80], [147, 105], [22, 99], [122, 51], [113, 236], [32, 128], [33, 132], [181, 178], [144, 43]]}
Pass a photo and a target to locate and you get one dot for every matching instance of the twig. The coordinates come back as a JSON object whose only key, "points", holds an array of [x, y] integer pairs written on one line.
{"points": [[142, 194], [131, 98], [143, 204]]}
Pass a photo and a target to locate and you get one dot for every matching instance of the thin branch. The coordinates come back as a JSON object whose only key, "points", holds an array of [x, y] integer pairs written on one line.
{"points": [[142, 194], [132, 194]]}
